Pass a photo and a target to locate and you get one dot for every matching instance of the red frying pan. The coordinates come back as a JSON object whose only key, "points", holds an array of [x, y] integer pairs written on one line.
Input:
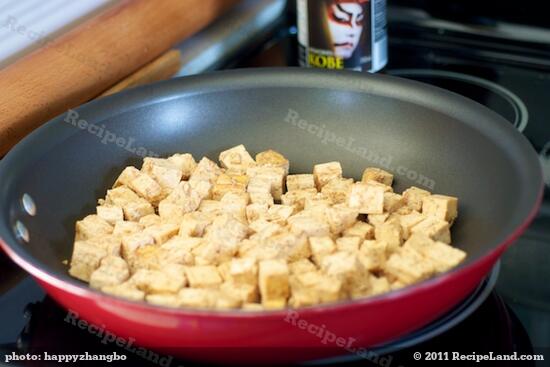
{"points": [[426, 136]]}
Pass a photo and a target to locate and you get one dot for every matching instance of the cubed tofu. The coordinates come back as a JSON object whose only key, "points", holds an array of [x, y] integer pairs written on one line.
{"points": [[193, 224], [279, 213], [130, 243], [185, 162], [226, 184], [85, 259], [408, 221], [265, 229], [393, 202], [362, 230], [323, 173], [178, 250], [303, 297], [162, 232], [378, 175], [236, 159], [205, 276], [386, 188], [413, 197], [146, 187], [309, 225], [436, 229], [368, 199], [150, 220], [125, 290], [224, 270], [124, 228], [391, 233], [110, 214], [211, 207], [272, 158], [297, 198], [372, 254], [377, 219], [92, 226], [291, 246], [275, 176], [252, 307], [120, 196], [408, 266], [164, 171], [350, 244], [300, 182], [443, 256], [145, 257], [126, 176], [163, 299], [197, 298], [112, 270], [256, 211], [321, 247], [260, 191], [337, 190], [226, 230], [301, 266], [273, 280], [110, 243], [440, 206], [274, 304], [340, 218], [206, 171], [235, 204], [135, 210], [183, 199], [379, 285], [244, 271], [346, 267], [244, 292], [227, 301]]}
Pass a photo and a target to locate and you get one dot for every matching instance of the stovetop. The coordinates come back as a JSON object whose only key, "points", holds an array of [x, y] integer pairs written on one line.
{"points": [[510, 76]]}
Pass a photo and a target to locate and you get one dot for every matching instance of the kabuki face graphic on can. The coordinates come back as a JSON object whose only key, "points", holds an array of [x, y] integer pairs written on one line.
{"points": [[345, 21]]}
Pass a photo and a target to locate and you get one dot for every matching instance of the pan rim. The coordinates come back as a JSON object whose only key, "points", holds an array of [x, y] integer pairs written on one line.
{"points": [[225, 80]]}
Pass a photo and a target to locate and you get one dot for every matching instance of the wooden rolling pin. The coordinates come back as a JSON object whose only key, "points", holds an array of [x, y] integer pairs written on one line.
{"points": [[89, 59]]}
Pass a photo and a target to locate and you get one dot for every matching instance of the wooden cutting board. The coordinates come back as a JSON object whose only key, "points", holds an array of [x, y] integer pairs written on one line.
{"points": [[91, 58]]}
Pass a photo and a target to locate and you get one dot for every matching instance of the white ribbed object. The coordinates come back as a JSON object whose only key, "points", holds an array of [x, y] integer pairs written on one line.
{"points": [[28, 24]]}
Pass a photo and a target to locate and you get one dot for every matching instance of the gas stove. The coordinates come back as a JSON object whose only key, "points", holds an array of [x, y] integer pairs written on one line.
{"points": [[505, 67]]}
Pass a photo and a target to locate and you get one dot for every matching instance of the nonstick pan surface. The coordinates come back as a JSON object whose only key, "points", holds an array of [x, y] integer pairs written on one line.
{"points": [[426, 136]]}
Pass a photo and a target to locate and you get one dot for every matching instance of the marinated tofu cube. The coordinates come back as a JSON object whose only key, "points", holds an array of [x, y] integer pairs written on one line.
{"points": [[206, 171], [274, 304], [236, 159], [197, 298], [164, 299], [244, 271], [391, 233], [436, 229], [297, 198], [234, 204], [145, 257], [265, 229], [185, 198], [185, 162], [146, 187], [413, 197], [275, 176], [124, 228], [337, 190], [178, 250], [126, 176], [112, 270], [162, 232], [194, 224], [377, 219], [224, 269], [125, 290], [368, 199], [110, 243], [300, 182], [244, 292], [440, 206], [130, 243], [301, 266], [321, 247], [346, 267], [442, 256], [372, 254], [378, 175], [362, 230], [120, 196], [291, 246], [110, 214], [279, 213], [408, 266], [227, 301], [85, 260], [272, 158], [226, 184], [167, 174], [149, 220], [256, 211], [323, 173], [226, 230], [309, 225], [260, 190], [135, 210], [340, 218], [303, 297], [393, 202], [252, 307], [206, 276], [92, 226], [408, 221], [386, 188], [379, 285], [273, 280], [350, 244]]}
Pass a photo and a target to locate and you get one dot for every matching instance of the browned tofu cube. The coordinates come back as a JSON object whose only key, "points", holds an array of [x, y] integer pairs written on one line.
{"points": [[163, 299], [110, 243], [135, 210], [272, 158], [303, 297], [120, 196], [321, 247], [377, 219], [291, 246], [197, 298], [337, 190], [110, 214], [297, 198], [346, 267], [185, 162], [130, 243], [300, 182], [340, 218], [391, 233], [236, 159], [164, 171], [226, 184], [244, 292], [92, 226], [244, 271], [124, 228], [178, 250], [368, 199], [162, 232], [440, 206], [146, 187], [260, 190], [112, 270], [413, 197], [206, 276], [350, 244], [275, 176], [279, 213], [256, 211], [325, 172], [273, 280], [206, 171], [193, 224], [408, 221], [442, 256], [125, 290], [126, 176], [252, 307], [372, 254], [183, 199], [408, 266], [301, 266], [226, 301], [379, 285], [85, 260], [149, 220], [378, 175], [309, 225], [393, 202], [436, 229], [361, 230]]}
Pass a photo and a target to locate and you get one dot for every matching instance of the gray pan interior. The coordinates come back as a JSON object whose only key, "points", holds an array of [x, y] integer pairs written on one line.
{"points": [[418, 132]]}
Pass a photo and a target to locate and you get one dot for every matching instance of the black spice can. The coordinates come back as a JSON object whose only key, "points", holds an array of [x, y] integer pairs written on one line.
{"points": [[342, 34]]}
